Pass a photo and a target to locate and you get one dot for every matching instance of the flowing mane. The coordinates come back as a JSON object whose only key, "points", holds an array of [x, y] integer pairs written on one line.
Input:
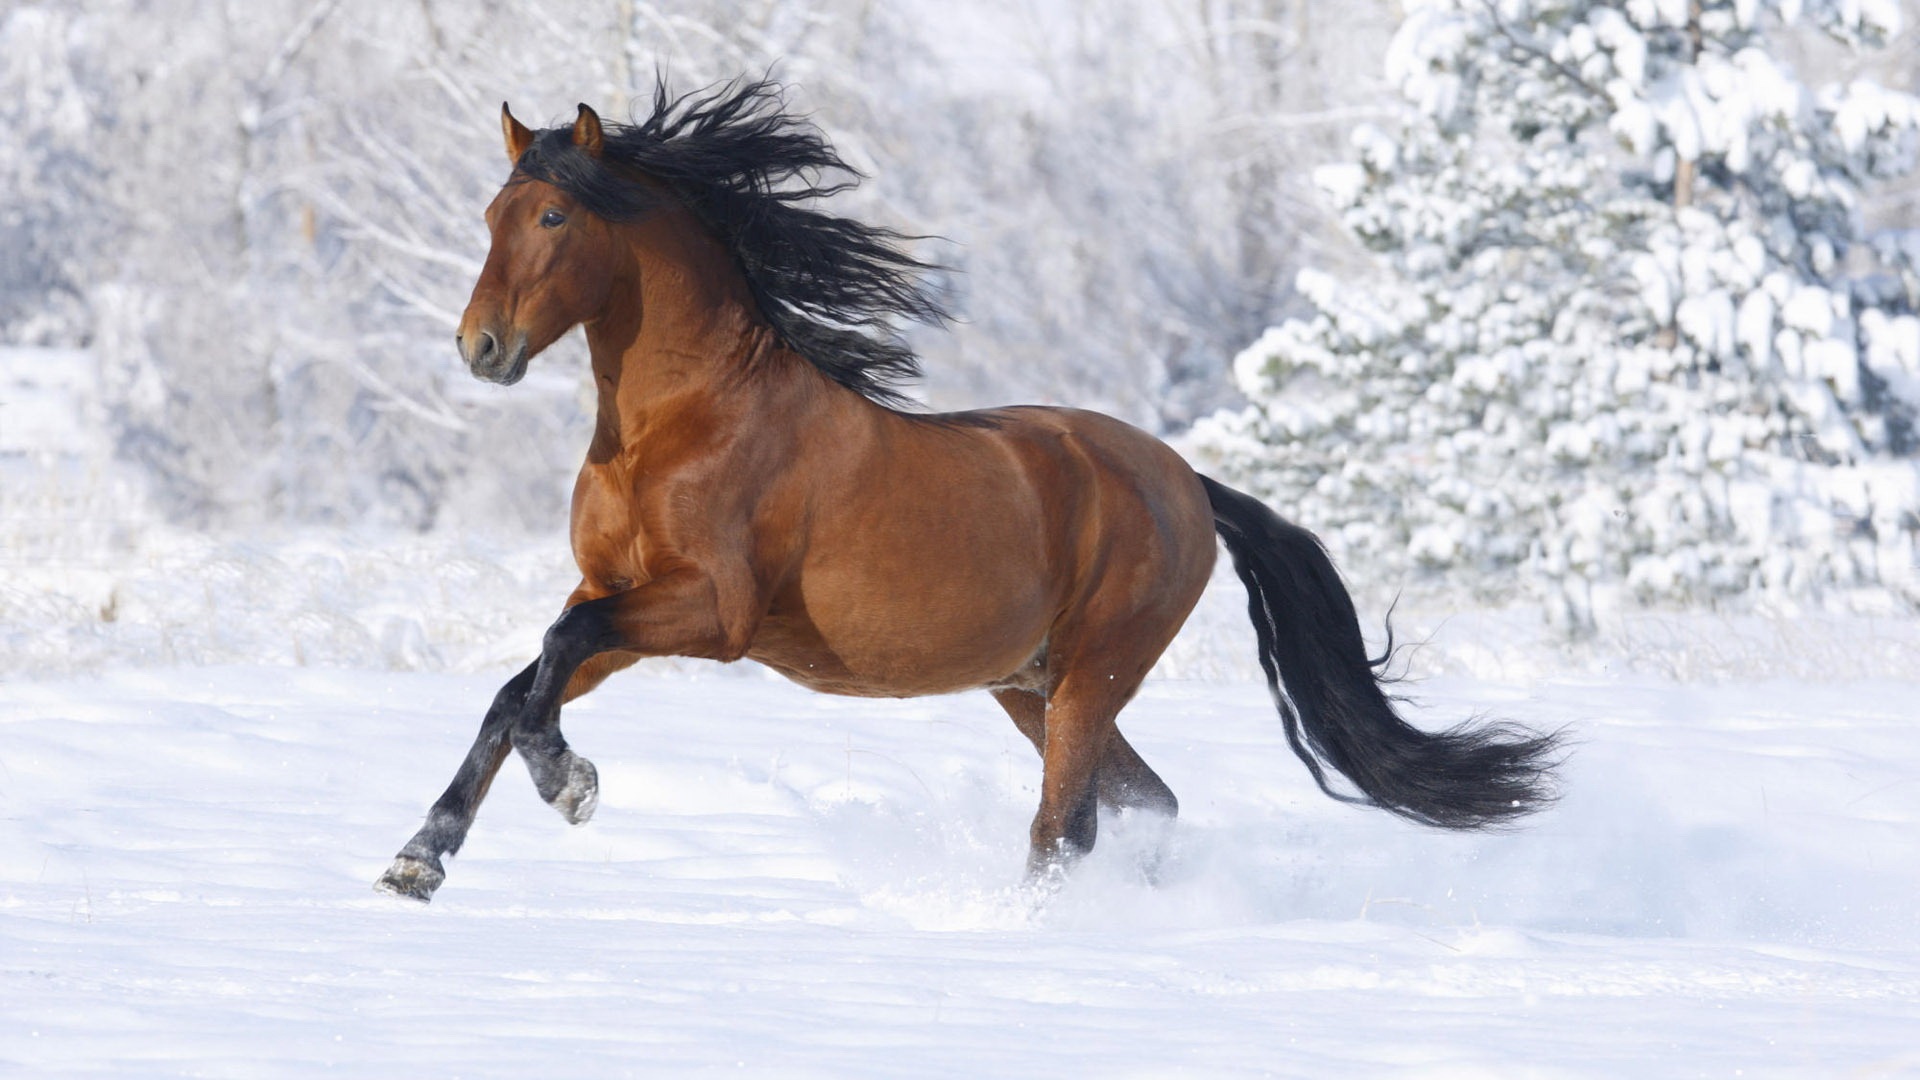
{"points": [[831, 287]]}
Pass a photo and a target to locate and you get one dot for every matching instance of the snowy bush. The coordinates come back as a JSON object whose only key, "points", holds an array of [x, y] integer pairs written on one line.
{"points": [[1630, 338]]}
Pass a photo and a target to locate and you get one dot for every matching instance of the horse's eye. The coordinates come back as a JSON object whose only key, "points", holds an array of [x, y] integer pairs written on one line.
{"points": [[553, 219]]}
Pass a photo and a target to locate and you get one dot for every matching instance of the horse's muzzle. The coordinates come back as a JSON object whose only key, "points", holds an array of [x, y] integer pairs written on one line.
{"points": [[490, 359]]}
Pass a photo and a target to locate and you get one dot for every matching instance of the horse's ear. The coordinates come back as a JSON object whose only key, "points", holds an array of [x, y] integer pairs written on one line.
{"points": [[516, 133], [586, 132]]}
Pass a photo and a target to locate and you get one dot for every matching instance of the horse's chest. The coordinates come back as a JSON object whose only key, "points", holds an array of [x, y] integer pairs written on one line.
{"points": [[610, 541]]}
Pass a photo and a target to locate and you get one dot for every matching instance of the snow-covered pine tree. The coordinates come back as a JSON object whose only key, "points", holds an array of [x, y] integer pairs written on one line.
{"points": [[1631, 337]]}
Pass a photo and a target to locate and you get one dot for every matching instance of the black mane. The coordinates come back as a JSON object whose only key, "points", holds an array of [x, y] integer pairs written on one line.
{"points": [[831, 287]]}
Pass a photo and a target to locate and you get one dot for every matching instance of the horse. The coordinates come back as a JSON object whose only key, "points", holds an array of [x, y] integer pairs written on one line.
{"points": [[758, 487]]}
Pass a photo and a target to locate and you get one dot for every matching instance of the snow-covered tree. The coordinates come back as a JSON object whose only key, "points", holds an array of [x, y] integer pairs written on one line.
{"points": [[1632, 337], [49, 176]]}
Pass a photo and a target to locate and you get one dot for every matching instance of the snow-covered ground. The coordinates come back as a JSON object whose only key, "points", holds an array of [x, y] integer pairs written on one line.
{"points": [[785, 884], [210, 745]]}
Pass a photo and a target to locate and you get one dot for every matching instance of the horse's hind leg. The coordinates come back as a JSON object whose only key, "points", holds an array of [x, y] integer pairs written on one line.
{"points": [[1078, 725], [1080, 735], [1097, 659], [1028, 711], [1122, 780], [1127, 782]]}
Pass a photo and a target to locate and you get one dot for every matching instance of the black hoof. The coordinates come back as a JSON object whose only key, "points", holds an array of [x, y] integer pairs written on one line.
{"points": [[413, 878]]}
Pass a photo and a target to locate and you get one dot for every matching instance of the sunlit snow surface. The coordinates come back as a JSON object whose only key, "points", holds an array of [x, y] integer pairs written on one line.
{"points": [[785, 884]]}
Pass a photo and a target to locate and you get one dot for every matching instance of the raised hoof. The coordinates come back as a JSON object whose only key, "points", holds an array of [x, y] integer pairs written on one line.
{"points": [[415, 879], [579, 795]]}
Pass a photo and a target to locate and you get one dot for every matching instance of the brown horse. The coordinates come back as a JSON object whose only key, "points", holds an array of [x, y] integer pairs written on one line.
{"points": [[753, 490]]}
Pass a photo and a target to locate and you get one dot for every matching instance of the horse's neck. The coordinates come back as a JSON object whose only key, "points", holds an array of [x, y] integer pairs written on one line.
{"points": [[693, 343]]}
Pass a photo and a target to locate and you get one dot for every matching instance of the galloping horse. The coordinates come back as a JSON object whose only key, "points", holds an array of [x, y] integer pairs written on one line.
{"points": [[756, 488]]}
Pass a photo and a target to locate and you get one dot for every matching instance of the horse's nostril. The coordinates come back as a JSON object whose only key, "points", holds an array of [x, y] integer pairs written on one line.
{"points": [[485, 347]]}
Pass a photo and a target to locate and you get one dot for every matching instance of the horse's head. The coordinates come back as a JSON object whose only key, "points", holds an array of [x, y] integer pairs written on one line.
{"points": [[549, 267], [679, 238]]}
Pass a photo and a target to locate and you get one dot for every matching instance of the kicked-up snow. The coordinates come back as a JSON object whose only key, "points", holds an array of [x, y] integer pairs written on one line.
{"points": [[784, 884]]}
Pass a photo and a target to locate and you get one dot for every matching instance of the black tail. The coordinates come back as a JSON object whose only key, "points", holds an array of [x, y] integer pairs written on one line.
{"points": [[1469, 777]]}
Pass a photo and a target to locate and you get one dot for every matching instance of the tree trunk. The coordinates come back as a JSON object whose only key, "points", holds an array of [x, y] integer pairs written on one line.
{"points": [[1684, 169]]}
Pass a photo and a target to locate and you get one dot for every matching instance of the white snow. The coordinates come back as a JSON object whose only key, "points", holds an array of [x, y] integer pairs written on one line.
{"points": [[210, 745], [779, 883]]}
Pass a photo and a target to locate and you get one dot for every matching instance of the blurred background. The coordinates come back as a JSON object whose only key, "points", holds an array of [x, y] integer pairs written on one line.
{"points": [[235, 239]]}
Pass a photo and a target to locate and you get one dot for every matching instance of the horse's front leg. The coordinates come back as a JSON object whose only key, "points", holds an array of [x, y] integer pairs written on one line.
{"points": [[678, 614], [416, 872]]}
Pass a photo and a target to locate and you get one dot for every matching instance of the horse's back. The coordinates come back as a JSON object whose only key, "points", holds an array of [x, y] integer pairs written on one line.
{"points": [[1105, 492]]}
